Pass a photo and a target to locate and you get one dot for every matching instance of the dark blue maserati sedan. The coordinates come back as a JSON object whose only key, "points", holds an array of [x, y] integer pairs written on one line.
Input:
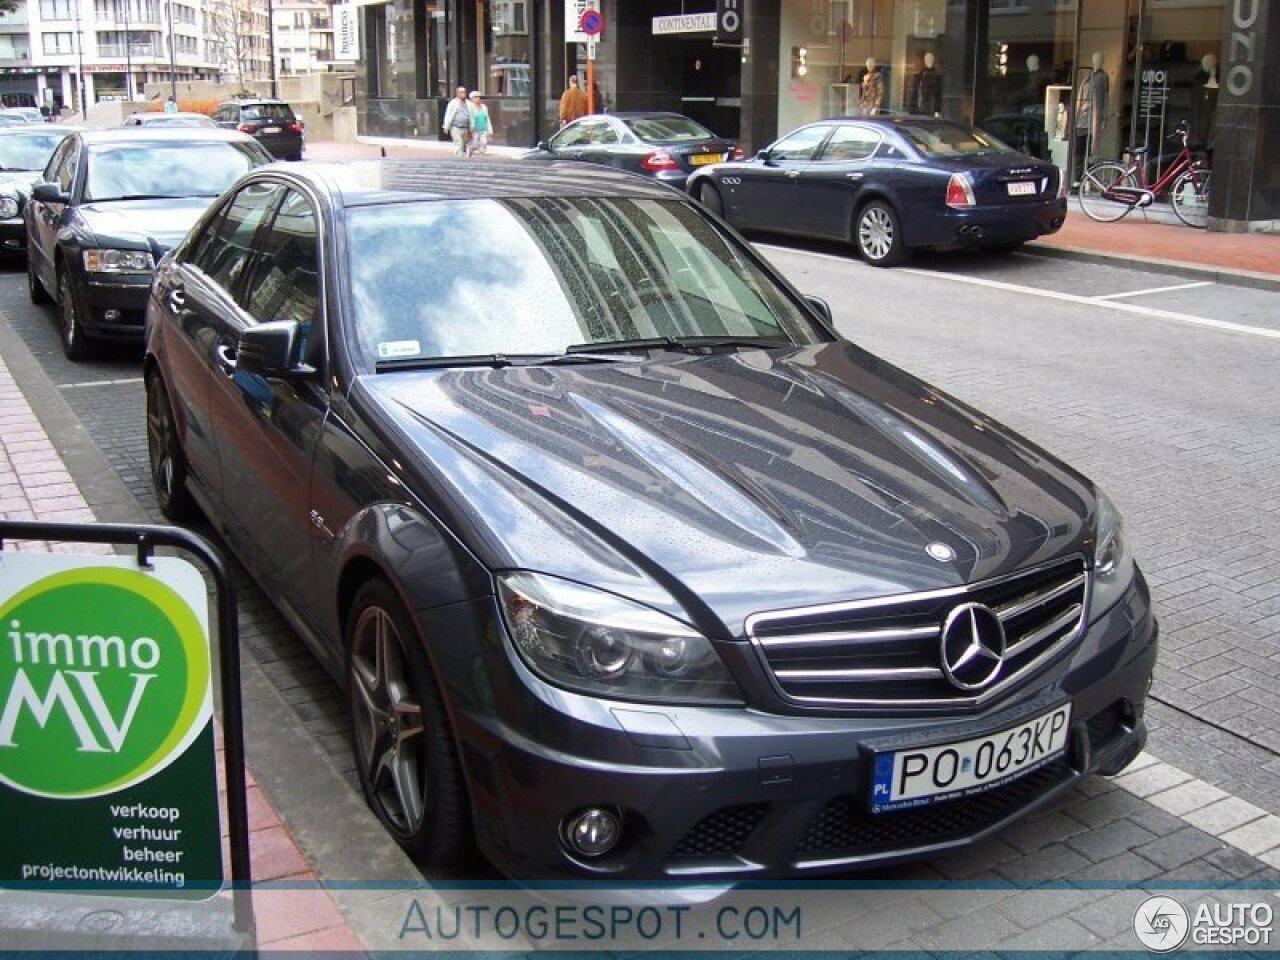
{"points": [[630, 565], [888, 185]]}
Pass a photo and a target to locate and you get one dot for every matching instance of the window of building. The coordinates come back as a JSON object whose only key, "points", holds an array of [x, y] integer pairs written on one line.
{"points": [[54, 43], [58, 9]]}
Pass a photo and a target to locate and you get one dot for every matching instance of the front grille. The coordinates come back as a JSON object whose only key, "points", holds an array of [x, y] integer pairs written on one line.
{"points": [[846, 828], [886, 651], [722, 833]]}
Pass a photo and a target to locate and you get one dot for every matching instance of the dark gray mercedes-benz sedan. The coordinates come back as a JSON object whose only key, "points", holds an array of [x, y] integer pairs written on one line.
{"points": [[630, 565]]}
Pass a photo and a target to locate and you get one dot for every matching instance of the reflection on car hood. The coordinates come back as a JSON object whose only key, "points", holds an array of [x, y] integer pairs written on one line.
{"points": [[19, 180], [752, 480], [161, 222]]}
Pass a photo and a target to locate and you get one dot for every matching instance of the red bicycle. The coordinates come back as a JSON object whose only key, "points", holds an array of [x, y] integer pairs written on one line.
{"points": [[1109, 190]]}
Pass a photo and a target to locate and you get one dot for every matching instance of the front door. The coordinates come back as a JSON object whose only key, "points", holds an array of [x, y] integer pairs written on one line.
{"points": [[768, 196]]}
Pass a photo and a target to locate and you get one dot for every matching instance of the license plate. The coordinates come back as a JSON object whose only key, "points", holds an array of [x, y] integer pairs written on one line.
{"points": [[915, 778], [277, 130], [698, 159], [1023, 188]]}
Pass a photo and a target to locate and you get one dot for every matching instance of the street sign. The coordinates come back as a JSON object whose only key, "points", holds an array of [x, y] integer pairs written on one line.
{"points": [[591, 22]]}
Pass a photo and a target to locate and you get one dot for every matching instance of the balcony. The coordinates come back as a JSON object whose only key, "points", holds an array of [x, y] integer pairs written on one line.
{"points": [[116, 51]]}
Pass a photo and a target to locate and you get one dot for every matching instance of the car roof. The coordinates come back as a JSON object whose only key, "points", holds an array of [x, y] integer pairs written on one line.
{"points": [[161, 134], [367, 182], [241, 101], [30, 129]]}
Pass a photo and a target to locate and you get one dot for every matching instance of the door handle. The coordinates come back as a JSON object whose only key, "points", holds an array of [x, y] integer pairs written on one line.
{"points": [[855, 176], [177, 300], [793, 173], [225, 358]]}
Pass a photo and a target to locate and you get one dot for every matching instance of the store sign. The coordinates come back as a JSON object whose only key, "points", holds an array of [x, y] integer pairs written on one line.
{"points": [[686, 23], [346, 32], [729, 22], [107, 765]]}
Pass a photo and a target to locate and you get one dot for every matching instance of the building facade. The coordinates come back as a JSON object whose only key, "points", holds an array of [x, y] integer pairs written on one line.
{"points": [[303, 31], [62, 53], [1062, 79]]}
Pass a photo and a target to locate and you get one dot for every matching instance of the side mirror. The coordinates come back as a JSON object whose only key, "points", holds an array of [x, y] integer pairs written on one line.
{"points": [[272, 350], [49, 193], [820, 307], [543, 145], [763, 155]]}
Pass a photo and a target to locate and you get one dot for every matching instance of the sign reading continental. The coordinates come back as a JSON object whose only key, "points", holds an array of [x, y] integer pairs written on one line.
{"points": [[684, 23], [107, 764]]}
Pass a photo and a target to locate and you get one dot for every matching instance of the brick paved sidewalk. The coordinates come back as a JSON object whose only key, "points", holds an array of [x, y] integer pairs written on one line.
{"points": [[35, 485]]}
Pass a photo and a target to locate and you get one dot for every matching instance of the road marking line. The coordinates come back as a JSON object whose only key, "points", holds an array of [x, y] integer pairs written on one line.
{"points": [[1143, 293], [99, 383], [1132, 308]]}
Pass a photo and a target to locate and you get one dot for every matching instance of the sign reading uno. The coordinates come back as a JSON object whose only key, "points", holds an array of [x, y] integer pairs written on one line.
{"points": [[729, 21], [1242, 46], [106, 736]]}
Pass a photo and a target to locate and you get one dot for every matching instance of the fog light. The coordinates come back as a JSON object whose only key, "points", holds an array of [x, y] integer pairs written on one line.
{"points": [[593, 832], [111, 316]]}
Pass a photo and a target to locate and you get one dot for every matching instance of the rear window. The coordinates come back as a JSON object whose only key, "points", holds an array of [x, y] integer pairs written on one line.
{"points": [[666, 129], [267, 111], [949, 140]]}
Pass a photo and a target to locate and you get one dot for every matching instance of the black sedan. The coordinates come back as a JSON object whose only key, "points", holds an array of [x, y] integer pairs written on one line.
{"points": [[889, 185], [24, 151], [110, 204], [629, 564], [665, 146]]}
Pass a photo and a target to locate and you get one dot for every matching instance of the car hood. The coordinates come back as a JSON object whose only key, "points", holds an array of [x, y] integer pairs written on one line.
{"points": [[742, 482], [158, 223], [21, 179]]}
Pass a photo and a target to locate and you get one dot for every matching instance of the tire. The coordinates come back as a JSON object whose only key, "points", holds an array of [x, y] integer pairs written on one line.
{"points": [[1190, 197], [35, 287], [404, 750], [1095, 180], [164, 452], [710, 198], [74, 343], [877, 234]]}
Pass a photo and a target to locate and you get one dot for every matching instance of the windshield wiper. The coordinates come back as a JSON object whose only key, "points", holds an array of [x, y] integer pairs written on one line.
{"points": [[677, 343], [622, 346], [494, 360], [139, 196], [581, 356]]}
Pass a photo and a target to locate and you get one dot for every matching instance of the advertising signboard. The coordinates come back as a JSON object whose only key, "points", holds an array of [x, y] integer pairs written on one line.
{"points": [[107, 761]]}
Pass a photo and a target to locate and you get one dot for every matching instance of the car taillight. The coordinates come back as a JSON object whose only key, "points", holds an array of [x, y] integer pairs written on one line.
{"points": [[960, 191], [659, 160], [296, 126], [738, 153], [245, 127]]}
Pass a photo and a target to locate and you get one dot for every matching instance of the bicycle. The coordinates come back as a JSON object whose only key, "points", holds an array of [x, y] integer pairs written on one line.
{"points": [[1109, 190]]}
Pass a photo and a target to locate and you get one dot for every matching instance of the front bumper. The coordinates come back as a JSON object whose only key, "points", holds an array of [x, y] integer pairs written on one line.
{"points": [[113, 306], [739, 793], [13, 236]]}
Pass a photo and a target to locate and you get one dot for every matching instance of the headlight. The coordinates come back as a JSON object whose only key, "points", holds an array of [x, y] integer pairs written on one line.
{"points": [[118, 261], [9, 207], [598, 643], [1112, 564]]}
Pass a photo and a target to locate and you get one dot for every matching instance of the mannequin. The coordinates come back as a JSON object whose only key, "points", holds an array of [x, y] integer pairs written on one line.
{"points": [[926, 89], [1092, 95], [1204, 100], [1032, 93], [871, 89]]}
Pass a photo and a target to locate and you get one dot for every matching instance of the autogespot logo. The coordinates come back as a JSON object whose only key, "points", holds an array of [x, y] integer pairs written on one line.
{"points": [[104, 679], [1161, 924]]}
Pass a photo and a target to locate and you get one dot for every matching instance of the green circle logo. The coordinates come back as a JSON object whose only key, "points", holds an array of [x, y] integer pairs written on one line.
{"points": [[104, 680]]}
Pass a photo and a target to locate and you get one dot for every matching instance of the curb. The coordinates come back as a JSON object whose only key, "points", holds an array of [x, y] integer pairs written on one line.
{"points": [[1177, 268]]}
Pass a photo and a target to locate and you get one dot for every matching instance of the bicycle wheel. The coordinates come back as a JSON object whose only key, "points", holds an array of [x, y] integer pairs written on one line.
{"points": [[1190, 197], [1094, 182]]}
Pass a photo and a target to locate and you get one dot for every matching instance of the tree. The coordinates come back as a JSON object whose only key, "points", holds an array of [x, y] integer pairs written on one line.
{"points": [[8, 6]]}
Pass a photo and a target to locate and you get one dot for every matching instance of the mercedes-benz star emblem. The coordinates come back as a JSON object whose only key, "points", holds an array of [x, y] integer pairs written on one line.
{"points": [[972, 646]]}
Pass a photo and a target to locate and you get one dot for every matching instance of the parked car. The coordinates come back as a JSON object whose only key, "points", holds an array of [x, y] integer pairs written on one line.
{"points": [[110, 204], [24, 151], [158, 118], [23, 114], [630, 565], [889, 185], [269, 121], [665, 146]]}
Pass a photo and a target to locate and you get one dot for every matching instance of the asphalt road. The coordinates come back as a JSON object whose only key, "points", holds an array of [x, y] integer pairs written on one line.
{"points": [[1160, 389]]}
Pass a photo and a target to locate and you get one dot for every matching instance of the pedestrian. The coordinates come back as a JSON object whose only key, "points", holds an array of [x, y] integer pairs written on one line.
{"points": [[573, 102], [457, 121], [480, 125], [171, 105]]}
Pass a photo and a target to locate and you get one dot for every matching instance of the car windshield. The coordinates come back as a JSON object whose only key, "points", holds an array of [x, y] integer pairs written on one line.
{"points": [[177, 168], [666, 129], [28, 151], [550, 274], [949, 140]]}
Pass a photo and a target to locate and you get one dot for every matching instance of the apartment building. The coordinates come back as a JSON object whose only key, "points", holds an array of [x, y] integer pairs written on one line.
{"points": [[305, 39], [62, 53]]}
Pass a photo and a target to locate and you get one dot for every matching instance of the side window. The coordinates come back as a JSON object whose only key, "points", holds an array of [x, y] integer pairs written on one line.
{"points": [[574, 135], [285, 284], [851, 142], [800, 145], [62, 165], [604, 133], [223, 250]]}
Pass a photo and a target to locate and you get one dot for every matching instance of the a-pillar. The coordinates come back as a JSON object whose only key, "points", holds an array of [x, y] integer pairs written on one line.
{"points": [[1246, 172]]}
